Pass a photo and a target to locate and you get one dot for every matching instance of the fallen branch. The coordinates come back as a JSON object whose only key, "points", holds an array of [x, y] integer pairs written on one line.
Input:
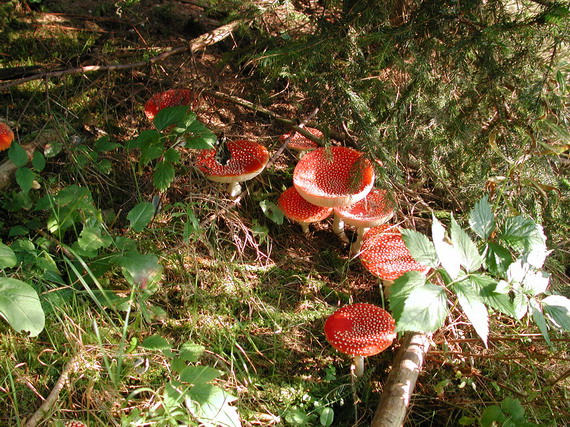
{"points": [[401, 381], [194, 45]]}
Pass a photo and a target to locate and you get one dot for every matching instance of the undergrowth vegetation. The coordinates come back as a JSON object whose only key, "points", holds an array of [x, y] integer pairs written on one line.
{"points": [[164, 302]]}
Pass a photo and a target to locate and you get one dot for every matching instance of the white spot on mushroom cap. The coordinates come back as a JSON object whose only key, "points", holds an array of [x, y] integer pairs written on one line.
{"points": [[296, 208], [375, 209]]}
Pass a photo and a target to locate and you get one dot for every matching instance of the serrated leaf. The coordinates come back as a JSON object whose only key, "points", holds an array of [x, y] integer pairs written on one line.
{"points": [[469, 255], [557, 308], [38, 161], [497, 258], [140, 216], [420, 247], [424, 310], [17, 155], [191, 352], [141, 270], [170, 116], [25, 178], [200, 137], [520, 303], [145, 138], [536, 282], [213, 407], [401, 289], [271, 211], [163, 175], [473, 308], [447, 254], [20, 306], [171, 155], [104, 144], [482, 219], [494, 294], [539, 319], [199, 374], [156, 342], [7, 256], [520, 233], [150, 152]]}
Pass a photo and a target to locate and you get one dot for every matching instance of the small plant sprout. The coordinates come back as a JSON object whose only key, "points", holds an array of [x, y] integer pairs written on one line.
{"points": [[245, 161], [6, 136], [333, 176], [169, 98], [298, 209], [360, 330], [300, 143]]}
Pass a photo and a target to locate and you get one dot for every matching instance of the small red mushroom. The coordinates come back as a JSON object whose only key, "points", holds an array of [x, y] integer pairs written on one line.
{"points": [[298, 209], [360, 330], [333, 176], [6, 136], [300, 143], [246, 160], [75, 423], [385, 254], [375, 209], [169, 98]]}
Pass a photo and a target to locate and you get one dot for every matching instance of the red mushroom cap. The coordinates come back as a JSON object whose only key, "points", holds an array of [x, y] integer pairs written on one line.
{"points": [[296, 208], [75, 424], [6, 136], [169, 98], [247, 160], [374, 209], [333, 176], [360, 329], [385, 254], [300, 142]]}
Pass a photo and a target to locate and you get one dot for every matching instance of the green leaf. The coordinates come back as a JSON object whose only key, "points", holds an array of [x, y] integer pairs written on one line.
{"points": [[199, 374], [493, 293], [38, 161], [25, 178], [163, 175], [20, 306], [7, 256], [141, 270], [213, 406], [156, 342], [512, 407], [482, 219], [473, 307], [557, 308], [171, 155], [90, 239], [424, 310], [497, 258], [520, 233], [540, 321], [469, 255], [191, 352], [200, 136], [449, 256], [140, 216], [296, 417], [191, 225], [17, 155], [327, 417], [104, 144], [420, 247], [492, 415], [401, 289], [52, 149], [150, 152], [271, 211], [170, 116], [145, 138], [520, 303]]}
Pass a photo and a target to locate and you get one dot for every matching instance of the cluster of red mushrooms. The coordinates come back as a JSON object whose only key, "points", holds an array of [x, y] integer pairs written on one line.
{"points": [[327, 180]]}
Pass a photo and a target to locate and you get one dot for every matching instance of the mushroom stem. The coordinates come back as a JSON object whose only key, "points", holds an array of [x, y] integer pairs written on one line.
{"points": [[355, 247], [338, 228], [304, 226], [234, 189], [358, 366]]}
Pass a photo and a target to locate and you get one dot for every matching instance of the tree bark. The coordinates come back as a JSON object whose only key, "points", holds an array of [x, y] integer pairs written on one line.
{"points": [[391, 410]]}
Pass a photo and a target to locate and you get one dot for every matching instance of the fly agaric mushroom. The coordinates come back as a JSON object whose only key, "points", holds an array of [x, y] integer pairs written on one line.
{"points": [[385, 254], [373, 210], [246, 160], [333, 176], [75, 423], [300, 143], [360, 330], [169, 98], [298, 209], [6, 136]]}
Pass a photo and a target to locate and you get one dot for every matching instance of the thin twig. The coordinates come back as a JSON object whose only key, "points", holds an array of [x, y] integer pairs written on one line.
{"points": [[560, 378]]}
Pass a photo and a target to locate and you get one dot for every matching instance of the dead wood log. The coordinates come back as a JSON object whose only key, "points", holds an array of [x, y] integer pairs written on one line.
{"points": [[401, 381]]}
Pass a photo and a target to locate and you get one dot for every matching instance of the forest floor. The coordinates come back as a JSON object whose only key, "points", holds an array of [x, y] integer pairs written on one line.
{"points": [[253, 293]]}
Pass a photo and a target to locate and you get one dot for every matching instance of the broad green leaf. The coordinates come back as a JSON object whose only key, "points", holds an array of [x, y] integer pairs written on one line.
{"points": [[473, 306], [20, 306], [17, 155], [170, 116], [141, 270], [401, 289], [140, 216], [448, 255], [150, 152], [52, 149], [520, 233], [494, 294], [25, 178], [296, 417], [492, 416], [557, 308], [199, 374], [497, 258], [171, 155], [271, 211], [482, 219], [38, 161], [90, 239], [163, 175], [424, 310], [104, 144], [539, 319], [156, 342], [7, 256], [213, 407], [469, 255], [420, 247], [536, 282], [145, 138], [191, 352], [172, 398], [200, 136], [520, 304], [327, 417], [512, 407]]}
